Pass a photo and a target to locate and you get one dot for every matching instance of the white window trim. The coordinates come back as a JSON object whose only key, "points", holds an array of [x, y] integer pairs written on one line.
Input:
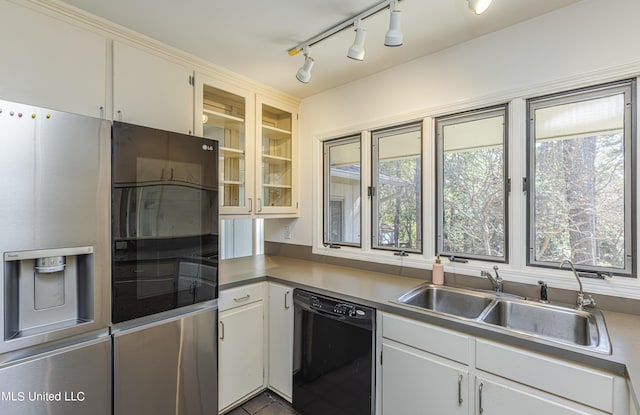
{"points": [[516, 270]]}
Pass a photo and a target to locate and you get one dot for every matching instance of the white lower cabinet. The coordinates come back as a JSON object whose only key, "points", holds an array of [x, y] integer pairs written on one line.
{"points": [[240, 344], [551, 379], [281, 339], [424, 368], [415, 382], [498, 398], [427, 369]]}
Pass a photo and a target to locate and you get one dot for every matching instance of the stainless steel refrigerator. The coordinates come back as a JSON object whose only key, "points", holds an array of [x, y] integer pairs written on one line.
{"points": [[165, 272], [55, 348]]}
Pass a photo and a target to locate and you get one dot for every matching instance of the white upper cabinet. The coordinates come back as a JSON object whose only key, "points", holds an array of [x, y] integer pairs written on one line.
{"points": [[151, 89], [227, 115], [258, 148], [276, 158], [48, 62]]}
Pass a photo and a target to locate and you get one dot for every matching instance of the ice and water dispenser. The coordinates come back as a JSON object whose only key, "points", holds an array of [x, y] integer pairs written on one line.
{"points": [[47, 290]]}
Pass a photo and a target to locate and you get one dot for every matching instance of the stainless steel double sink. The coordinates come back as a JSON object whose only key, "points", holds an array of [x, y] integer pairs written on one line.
{"points": [[515, 315]]}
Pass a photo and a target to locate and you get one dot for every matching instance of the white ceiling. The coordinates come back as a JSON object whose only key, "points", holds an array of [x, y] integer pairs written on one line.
{"points": [[251, 37]]}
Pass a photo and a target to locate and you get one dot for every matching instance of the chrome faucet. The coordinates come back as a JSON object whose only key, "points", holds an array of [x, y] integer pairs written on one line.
{"points": [[496, 282], [581, 302]]}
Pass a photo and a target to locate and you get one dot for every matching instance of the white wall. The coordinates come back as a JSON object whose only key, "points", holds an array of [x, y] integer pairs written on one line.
{"points": [[590, 40]]}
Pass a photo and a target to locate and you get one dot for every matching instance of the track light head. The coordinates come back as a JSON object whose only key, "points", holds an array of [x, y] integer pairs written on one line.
{"points": [[304, 73], [394, 34], [356, 51], [479, 6]]}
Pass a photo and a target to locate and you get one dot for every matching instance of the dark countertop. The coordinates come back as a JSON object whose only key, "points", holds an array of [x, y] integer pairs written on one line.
{"points": [[377, 289]]}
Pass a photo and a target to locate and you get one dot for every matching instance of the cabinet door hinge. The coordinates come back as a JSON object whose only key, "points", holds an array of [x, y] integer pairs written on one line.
{"points": [[192, 80], [371, 191]]}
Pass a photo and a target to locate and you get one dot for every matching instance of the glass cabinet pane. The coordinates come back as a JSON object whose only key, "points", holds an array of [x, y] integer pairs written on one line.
{"points": [[276, 156], [223, 119]]}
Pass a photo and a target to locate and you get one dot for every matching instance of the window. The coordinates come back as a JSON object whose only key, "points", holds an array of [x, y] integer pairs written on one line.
{"points": [[241, 237], [342, 190], [472, 192], [397, 188], [580, 198]]}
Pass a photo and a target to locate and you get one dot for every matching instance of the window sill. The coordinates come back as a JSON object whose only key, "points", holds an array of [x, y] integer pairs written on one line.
{"points": [[562, 279]]}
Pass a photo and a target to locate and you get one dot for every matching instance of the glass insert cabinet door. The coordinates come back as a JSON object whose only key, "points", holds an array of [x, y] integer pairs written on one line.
{"points": [[227, 116], [276, 190]]}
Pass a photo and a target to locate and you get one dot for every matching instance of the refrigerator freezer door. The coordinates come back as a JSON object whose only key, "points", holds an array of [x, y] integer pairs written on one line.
{"points": [[168, 367], [55, 169], [73, 380]]}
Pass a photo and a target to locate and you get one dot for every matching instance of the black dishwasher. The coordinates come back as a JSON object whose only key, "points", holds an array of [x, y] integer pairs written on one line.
{"points": [[333, 368]]}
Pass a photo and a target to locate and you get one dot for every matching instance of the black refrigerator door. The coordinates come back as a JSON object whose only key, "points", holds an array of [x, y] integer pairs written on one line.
{"points": [[164, 221]]}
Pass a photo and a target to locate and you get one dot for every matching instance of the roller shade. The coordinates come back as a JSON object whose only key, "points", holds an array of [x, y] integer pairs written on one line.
{"points": [[345, 154], [400, 146], [580, 119], [485, 132]]}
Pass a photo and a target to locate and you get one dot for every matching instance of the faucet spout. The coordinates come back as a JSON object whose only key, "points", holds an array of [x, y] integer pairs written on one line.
{"points": [[496, 282], [581, 302], [575, 273]]}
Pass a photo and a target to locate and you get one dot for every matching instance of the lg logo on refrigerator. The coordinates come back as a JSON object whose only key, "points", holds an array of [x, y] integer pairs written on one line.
{"points": [[207, 147]]}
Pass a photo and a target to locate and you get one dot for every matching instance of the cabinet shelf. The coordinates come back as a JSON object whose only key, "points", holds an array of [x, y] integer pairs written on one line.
{"points": [[231, 152], [269, 157], [277, 186], [275, 133], [220, 119], [232, 182]]}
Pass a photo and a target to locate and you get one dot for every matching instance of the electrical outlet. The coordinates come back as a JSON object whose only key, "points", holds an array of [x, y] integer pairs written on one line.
{"points": [[287, 232]]}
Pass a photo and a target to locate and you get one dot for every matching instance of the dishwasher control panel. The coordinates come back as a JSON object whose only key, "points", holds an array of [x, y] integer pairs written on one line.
{"points": [[337, 307], [344, 309]]}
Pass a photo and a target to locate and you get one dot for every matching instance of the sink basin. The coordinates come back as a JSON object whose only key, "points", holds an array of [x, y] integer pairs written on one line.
{"points": [[458, 302], [515, 315], [579, 328]]}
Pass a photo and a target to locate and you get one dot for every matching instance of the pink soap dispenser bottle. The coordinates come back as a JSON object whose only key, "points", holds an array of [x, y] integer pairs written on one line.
{"points": [[437, 272]]}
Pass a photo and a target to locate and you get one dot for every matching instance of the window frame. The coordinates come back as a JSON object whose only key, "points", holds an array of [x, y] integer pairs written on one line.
{"points": [[372, 192], [457, 118], [628, 87], [326, 190]]}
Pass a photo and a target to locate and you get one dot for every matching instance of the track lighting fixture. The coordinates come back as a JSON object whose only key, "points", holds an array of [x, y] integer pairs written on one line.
{"points": [[304, 73], [479, 6], [356, 51], [394, 34], [393, 37]]}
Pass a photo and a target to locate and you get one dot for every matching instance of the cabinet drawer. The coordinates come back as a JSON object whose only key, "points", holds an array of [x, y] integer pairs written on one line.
{"points": [[423, 336], [239, 296], [578, 383]]}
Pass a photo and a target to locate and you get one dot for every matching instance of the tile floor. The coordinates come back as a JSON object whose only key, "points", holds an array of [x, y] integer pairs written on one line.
{"points": [[267, 403]]}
